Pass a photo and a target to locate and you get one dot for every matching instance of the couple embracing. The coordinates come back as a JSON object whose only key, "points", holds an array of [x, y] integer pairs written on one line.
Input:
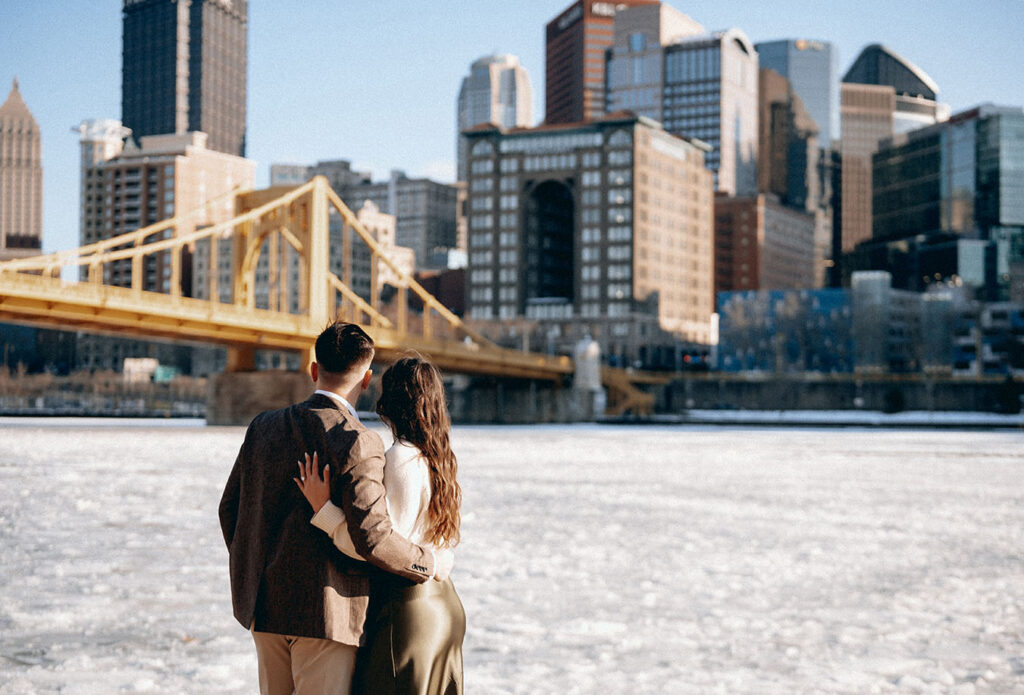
{"points": [[339, 560]]}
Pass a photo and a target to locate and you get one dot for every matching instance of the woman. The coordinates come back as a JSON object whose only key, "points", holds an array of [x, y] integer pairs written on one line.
{"points": [[414, 637]]}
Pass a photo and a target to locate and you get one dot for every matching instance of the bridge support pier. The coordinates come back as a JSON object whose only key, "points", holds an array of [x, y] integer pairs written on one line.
{"points": [[235, 398], [491, 400]]}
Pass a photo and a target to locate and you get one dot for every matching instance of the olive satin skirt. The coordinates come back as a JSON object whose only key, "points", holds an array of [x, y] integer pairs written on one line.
{"points": [[414, 642]]}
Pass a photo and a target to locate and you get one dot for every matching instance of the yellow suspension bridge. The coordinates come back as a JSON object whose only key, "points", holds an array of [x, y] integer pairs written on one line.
{"points": [[283, 223]]}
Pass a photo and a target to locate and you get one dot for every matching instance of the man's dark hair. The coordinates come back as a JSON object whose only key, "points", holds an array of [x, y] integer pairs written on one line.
{"points": [[343, 346]]}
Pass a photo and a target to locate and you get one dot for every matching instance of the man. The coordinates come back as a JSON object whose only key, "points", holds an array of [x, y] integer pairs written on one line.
{"points": [[305, 601]]}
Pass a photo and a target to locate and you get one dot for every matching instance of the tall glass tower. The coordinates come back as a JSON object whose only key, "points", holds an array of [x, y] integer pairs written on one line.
{"points": [[812, 71], [184, 69], [665, 66]]}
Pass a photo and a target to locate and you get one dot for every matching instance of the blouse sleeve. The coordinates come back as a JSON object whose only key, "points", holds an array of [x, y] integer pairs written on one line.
{"points": [[405, 480], [331, 520]]}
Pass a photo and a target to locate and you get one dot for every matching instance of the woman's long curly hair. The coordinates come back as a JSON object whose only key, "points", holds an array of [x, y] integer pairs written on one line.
{"points": [[412, 404]]}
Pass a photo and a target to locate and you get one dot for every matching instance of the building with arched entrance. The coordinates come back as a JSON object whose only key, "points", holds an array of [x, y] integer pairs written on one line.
{"points": [[600, 228]]}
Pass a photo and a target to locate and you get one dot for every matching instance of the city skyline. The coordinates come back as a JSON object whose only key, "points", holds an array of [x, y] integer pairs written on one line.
{"points": [[390, 104]]}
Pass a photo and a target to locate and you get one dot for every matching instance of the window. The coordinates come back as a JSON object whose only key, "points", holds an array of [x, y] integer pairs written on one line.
{"points": [[482, 166], [481, 240], [590, 253], [508, 183], [618, 290], [619, 272], [638, 70], [637, 42], [509, 238], [620, 233], [591, 216], [482, 277], [481, 221], [509, 202], [619, 177], [620, 138], [620, 196], [482, 203], [484, 184], [482, 148], [509, 165], [618, 253]]}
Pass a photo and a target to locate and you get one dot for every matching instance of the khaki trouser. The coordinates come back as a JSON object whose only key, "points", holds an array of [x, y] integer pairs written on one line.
{"points": [[303, 665]]}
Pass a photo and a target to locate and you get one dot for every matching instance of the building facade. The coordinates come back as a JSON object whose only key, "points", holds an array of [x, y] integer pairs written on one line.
{"points": [[635, 77], [812, 70], [778, 331], [883, 94], [698, 85], [867, 118], [21, 179], [136, 186], [184, 69], [949, 204], [496, 90], [425, 210], [788, 162], [761, 244], [575, 44], [604, 226]]}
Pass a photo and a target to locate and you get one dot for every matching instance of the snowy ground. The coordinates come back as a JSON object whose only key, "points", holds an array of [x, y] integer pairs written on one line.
{"points": [[596, 559]]}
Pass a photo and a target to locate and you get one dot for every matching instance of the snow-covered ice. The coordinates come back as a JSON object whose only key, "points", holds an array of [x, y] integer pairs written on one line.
{"points": [[595, 559]]}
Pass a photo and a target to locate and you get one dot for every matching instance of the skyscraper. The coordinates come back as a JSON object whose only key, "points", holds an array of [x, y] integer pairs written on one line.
{"points": [[917, 102], [788, 146], [664, 66], [184, 69], [496, 90], [811, 68], [21, 179], [575, 42], [882, 94]]}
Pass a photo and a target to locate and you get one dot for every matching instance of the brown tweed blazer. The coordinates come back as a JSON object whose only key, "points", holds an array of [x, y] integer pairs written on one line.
{"points": [[286, 575]]}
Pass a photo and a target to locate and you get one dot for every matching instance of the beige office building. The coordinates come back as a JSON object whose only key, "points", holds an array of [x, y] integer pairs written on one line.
{"points": [[601, 228], [21, 179], [126, 188], [867, 113]]}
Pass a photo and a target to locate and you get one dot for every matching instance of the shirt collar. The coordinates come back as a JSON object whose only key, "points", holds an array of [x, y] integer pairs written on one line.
{"points": [[340, 401]]}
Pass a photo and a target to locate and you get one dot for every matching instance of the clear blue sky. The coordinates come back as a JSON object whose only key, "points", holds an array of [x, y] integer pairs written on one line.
{"points": [[376, 82]]}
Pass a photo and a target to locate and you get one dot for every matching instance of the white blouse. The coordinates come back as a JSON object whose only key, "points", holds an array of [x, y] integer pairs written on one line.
{"points": [[406, 491]]}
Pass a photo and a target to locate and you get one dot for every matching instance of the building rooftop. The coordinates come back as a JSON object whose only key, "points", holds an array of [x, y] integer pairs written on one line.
{"points": [[15, 109], [878, 64]]}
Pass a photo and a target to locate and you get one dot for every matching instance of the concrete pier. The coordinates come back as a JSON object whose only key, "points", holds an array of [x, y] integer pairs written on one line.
{"points": [[237, 397]]}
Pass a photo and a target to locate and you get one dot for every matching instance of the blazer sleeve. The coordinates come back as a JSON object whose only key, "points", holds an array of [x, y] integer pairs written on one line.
{"points": [[229, 501], [365, 507]]}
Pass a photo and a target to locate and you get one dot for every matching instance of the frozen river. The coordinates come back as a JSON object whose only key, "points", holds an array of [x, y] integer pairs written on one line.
{"points": [[595, 559]]}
